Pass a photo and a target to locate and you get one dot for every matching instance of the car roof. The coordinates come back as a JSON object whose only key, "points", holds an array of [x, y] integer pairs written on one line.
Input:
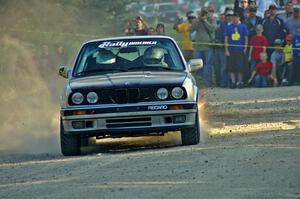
{"points": [[131, 37]]}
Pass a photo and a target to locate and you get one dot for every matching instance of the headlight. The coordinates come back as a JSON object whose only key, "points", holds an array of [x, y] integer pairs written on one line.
{"points": [[162, 93], [92, 97], [77, 98], [177, 92]]}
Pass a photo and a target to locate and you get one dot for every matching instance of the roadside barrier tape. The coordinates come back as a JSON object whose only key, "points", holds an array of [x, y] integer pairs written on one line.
{"points": [[233, 45], [180, 42]]}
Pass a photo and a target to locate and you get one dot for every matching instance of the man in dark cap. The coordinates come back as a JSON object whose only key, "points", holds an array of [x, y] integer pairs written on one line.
{"points": [[274, 28], [252, 21]]}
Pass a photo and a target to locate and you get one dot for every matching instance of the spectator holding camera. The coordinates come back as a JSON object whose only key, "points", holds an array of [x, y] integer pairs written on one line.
{"points": [[183, 27], [205, 28], [236, 41], [136, 26]]}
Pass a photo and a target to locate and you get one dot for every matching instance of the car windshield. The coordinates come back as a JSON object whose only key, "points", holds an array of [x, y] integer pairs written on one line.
{"points": [[113, 56]]}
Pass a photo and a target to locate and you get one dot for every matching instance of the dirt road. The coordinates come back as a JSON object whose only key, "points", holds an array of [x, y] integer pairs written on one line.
{"points": [[250, 149]]}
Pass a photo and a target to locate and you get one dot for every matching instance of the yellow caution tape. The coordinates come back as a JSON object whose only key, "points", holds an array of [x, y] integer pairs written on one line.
{"points": [[97, 36], [234, 45]]}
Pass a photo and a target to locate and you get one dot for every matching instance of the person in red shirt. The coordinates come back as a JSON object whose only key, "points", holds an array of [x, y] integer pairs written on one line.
{"points": [[258, 44], [261, 74]]}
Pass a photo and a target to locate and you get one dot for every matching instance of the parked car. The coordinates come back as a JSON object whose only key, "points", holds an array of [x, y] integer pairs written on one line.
{"points": [[129, 86]]}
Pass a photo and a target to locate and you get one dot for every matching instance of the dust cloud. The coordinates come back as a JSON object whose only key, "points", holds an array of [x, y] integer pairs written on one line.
{"points": [[29, 114]]}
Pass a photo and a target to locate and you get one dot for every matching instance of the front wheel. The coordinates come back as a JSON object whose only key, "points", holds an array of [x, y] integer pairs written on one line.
{"points": [[70, 144], [191, 136]]}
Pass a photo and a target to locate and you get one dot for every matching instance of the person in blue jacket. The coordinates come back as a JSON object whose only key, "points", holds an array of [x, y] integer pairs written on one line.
{"points": [[296, 55], [274, 28]]}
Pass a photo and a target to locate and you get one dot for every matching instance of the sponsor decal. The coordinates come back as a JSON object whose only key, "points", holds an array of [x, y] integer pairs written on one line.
{"points": [[123, 44], [157, 108]]}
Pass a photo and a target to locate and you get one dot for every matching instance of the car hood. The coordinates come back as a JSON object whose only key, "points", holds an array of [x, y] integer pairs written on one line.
{"points": [[129, 79]]}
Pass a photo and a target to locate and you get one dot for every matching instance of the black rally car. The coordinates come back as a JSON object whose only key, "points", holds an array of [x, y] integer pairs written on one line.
{"points": [[129, 86]]}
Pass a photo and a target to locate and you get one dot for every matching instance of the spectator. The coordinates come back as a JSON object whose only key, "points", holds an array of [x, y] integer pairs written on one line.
{"points": [[160, 29], [293, 23], [229, 15], [288, 62], [46, 59], [205, 28], [222, 19], [252, 4], [141, 27], [136, 26], [129, 29], [262, 73], [263, 5], [211, 11], [258, 44], [288, 12], [220, 57], [240, 9], [236, 41], [151, 31], [183, 27], [246, 14], [267, 13], [277, 60], [296, 56], [252, 22], [273, 28], [60, 56]]}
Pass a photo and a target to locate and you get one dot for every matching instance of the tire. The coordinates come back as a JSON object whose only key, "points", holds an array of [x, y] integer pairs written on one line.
{"points": [[70, 144], [191, 136]]}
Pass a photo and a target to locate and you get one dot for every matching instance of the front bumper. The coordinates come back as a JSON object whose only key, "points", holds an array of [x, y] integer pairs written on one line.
{"points": [[115, 119]]}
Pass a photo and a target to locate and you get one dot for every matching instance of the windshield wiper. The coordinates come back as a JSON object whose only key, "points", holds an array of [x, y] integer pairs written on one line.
{"points": [[100, 70]]}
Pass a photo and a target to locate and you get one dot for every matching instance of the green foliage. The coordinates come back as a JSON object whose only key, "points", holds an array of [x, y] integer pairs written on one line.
{"points": [[67, 22]]}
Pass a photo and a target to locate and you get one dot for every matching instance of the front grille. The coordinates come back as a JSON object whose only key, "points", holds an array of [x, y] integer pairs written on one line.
{"points": [[126, 95], [128, 122]]}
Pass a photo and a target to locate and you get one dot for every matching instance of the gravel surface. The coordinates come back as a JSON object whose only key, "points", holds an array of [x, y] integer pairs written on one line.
{"points": [[254, 155]]}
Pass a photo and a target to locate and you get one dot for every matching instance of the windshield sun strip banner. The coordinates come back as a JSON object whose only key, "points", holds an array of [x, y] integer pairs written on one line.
{"points": [[123, 44]]}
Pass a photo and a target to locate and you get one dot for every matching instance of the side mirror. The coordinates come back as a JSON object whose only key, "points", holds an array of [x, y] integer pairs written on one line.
{"points": [[195, 64], [64, 71]]}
